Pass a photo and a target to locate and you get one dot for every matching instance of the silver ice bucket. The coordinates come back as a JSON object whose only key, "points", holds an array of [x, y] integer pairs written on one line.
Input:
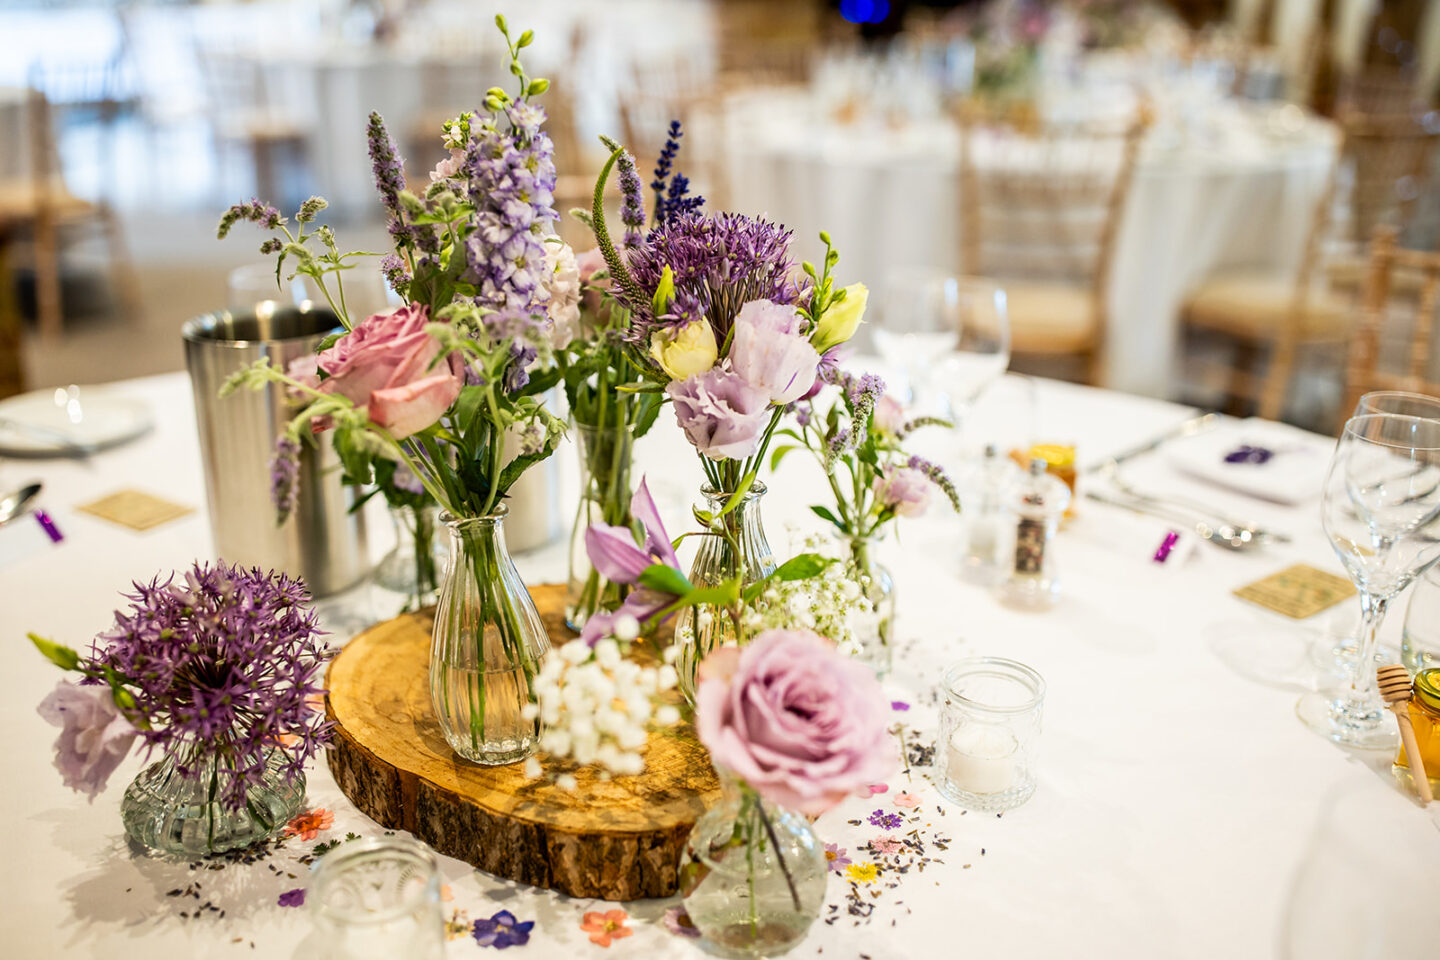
{"points": [[321, 541]]}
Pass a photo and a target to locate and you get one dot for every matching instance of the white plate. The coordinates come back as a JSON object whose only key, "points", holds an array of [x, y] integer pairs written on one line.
{"points": [[69, 422], [1293, 475]]}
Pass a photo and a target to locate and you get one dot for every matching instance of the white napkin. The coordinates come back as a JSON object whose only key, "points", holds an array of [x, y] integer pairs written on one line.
{"points": [[1294, 474]]}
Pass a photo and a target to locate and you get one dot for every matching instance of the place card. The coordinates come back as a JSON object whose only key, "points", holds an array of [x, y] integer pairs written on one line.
{"points": [[136, 509], [1300, 592]]}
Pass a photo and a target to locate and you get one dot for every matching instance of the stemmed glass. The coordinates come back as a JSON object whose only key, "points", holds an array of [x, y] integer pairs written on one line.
{"points": [[949, 336], [1379, 510]]}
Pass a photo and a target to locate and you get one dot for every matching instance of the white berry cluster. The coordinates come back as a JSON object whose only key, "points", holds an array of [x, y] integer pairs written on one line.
{"points": [[596, 708]]}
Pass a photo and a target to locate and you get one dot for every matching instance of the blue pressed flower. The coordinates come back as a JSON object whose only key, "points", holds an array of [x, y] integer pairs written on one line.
{"points": [[501, 931]]}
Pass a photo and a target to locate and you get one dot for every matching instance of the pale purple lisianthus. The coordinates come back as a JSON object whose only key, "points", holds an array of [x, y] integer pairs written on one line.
{"points": [[721, 414], [94, 735], [904, 490], [799, 722], [769, 353], [387, 365], [889, 415]]}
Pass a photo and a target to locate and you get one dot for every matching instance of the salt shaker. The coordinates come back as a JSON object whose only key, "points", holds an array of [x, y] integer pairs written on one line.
{"points": [[988, 522], [1038, 504]]}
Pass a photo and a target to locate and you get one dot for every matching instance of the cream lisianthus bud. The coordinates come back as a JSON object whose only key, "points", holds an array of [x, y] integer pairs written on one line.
{"points": [[685, 351], [839, 322]]}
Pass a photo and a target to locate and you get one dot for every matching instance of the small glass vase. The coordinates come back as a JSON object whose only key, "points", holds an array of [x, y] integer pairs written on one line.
{"points": [[752, 875], [879, 587], [604, 498], [413, 567], [487, 646], [182, 815], [702, 628]]}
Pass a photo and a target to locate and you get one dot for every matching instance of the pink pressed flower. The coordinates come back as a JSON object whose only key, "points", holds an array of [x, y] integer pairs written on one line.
{"points": [[835, 858], [885, 846], [907, 800], [870, 789], [311, 822]]}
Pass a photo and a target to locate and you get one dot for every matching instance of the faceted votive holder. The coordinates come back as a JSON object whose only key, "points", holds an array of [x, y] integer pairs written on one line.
{"points": [[378, 899], [989, 729]]}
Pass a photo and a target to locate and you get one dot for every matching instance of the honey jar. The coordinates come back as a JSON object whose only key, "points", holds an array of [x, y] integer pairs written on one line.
{"points": [[1425, 718], [1059, 463]]}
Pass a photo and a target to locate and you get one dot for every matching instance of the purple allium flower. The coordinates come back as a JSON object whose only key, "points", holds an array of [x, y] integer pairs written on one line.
{"points": [[226, 664], [835, 858], [721, 414], [94, 735], [678, 922], [769, 353], [255, 211], [285, 477], [884, 820], [292, 898], [938, 477], [501, 931]]}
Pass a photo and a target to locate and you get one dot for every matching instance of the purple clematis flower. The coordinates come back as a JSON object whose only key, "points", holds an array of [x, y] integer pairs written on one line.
{"points": [[620, 559]]}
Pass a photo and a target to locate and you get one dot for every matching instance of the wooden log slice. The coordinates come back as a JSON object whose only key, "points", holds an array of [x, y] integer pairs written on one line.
{"points": [[614, 839]]}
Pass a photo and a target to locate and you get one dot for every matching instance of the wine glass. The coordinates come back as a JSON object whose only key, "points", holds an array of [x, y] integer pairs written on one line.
{"points": [[948, 336], [1379, 510], [1420, 647]]}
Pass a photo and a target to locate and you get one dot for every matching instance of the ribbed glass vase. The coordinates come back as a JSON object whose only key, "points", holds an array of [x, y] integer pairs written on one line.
{"points": [[183, 816], [414, 566], [752, 875], [604, 498], [878, 587], [487, 646], [702, 628]]}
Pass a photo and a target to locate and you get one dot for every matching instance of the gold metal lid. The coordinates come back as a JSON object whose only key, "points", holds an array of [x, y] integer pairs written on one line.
{"points": [[1427, 687]]}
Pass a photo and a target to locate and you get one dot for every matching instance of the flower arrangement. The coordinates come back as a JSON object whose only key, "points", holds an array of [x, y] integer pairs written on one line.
{"points": [[219, 672]]}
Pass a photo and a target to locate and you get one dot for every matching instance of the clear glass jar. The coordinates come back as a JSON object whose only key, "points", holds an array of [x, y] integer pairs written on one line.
{"points": [[377, 898], [987, 525], [752, 875], [487, 646], [1420, 643], [1037, 504], [182, 815], [989, 729], [605, 455], [879, 587], [1425, 718], [421, 550], [700, 629]]}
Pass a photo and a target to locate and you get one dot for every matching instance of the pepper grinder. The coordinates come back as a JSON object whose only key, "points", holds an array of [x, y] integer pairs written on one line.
{"points": [[1038, 505]]}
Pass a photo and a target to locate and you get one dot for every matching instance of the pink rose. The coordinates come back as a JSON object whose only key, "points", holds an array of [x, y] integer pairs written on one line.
{"points": [[384, 365], [799, 722], [94, 735], [904, 490]]}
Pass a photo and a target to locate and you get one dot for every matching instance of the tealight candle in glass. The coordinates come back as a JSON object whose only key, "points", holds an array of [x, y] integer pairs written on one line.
{"points": [[377, 899], [989, 729]]}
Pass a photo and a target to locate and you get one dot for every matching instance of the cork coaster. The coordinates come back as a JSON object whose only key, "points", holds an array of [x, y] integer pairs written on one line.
{"points": [[135, 509], [1299, 592]]}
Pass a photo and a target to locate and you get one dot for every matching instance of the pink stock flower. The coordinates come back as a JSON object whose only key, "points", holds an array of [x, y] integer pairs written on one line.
{"points": [[94, 735], [799, 722], [769, 353], [721, 414], [562, 294], [904, 490], [385, 366]]}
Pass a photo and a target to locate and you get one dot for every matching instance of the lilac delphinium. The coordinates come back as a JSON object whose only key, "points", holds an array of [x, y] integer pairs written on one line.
{"points": [[224, 664], [285, 477]]}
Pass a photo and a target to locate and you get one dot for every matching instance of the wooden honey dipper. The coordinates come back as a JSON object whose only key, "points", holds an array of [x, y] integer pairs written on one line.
{"points": [[1396, 692]]}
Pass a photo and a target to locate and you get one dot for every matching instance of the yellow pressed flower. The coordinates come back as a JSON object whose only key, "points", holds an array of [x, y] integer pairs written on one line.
{"points": [[862, 872]]}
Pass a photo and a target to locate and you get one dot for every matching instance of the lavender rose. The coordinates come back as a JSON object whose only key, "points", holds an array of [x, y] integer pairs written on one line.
{"points": [[384, 365], [721, 414], [769, 353], [94, 735], [801, 723], [903, 490]]}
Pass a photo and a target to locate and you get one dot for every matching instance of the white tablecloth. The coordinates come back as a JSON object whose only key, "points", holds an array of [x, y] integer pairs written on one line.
{"points": [[1227, 197], [1176, 804]]}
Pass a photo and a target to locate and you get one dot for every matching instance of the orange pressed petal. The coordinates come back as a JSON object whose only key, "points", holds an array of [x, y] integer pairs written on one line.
{"points": [[617, 916], [621, 932]]}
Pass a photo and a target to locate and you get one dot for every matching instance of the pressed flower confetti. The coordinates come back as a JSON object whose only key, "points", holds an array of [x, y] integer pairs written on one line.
{"points": [[835, 858], [606, 927], [307, 826], [862, 872], [678, 922], [292, 898], [886, 821], [907, 800], [503, 930]]}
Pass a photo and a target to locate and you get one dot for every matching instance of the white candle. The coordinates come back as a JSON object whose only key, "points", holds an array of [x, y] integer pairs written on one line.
{"points": [[981, 758]]}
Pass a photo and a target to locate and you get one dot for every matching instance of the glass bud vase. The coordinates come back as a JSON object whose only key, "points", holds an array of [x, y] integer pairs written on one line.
{"points": [[604, 498], [413, 567], [879, 587], [702, 628], [486, 647], [752, 875], [182, 815]]}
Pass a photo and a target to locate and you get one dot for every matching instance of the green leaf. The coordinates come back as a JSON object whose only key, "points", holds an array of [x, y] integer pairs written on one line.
{"points": [[58, 654], [802, 566], [640, 388], [649, 409], [778, 455], [824, 514], [353, 455], [724, 595], [739, 495], [665, 579], [329, 341]]}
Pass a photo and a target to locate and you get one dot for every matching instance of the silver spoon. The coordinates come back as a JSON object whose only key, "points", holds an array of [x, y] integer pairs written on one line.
{"points": [[14, 503]]}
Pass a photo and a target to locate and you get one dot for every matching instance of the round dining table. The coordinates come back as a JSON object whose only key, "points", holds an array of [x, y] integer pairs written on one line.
{"points": [[1226, 185], [1182, 809]]}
